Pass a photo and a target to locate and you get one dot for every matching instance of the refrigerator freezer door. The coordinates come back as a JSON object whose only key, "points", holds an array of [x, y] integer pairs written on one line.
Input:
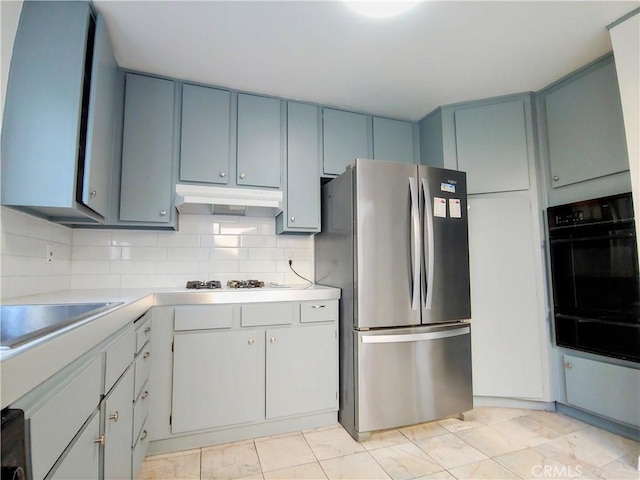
{"points": [[412, 375], [445, 279], [387, 244]]}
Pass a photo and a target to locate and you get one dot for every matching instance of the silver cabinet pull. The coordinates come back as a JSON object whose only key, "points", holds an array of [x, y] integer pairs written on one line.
{"points": [[144, 435], [251, 341], [146, 354], [114, 417], [163, 213], [556, 178], [272, 339], [222, 174], [568, 365], [99, 440], [318, 306], [93, 193], [293, 219], [145, 394], [242, 175], [147, 330]]}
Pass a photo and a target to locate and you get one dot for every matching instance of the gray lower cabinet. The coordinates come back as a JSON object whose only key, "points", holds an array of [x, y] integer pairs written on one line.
{"points": [[81, 461], [205, 138], [346, 136], [301, 370], [259, 154], [585, 136], [118, 413], [301, 212], [147, 178], [57, 135], [218, 379], [395, 140]]}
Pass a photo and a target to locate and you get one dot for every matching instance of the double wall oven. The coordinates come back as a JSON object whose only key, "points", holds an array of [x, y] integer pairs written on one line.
{"points": [[595, 279]]}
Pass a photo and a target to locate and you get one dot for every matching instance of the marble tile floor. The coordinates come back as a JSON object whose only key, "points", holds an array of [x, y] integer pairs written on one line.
{"points": [[492, 443]]}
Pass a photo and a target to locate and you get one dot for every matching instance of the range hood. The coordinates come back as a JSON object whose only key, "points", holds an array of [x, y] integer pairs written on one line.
{"points": [[210, 200]]}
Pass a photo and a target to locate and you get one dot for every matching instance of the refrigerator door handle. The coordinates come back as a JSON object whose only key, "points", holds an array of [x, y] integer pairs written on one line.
{"points": [[428, 245], [415, 337], [415, 242]]}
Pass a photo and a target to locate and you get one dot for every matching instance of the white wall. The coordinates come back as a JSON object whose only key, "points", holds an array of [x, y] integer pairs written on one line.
{"points": [[625, 39]]}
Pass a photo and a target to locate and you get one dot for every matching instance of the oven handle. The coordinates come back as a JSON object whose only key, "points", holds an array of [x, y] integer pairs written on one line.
{"points": [[624, 235]]}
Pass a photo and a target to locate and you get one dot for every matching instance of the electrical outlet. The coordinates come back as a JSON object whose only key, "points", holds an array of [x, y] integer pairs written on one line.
{"points": [[49, 255]]}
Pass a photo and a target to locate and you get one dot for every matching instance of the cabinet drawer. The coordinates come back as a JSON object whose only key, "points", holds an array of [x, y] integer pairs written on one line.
{"points": [[140, 450], [118, 357], [142, 368], [140, 410], [64, 414], [143, 331], [257, 314], [325, 311], [203, 317]]}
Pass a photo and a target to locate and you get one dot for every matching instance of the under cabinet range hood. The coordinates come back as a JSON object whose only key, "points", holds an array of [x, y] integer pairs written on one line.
{"points": [[210, 200]]}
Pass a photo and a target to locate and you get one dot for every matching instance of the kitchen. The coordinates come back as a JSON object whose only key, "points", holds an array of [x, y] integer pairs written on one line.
{"points": [[225, 248]]}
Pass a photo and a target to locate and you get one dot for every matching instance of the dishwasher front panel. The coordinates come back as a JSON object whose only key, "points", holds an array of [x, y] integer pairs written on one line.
{"points": [[411, 375]]}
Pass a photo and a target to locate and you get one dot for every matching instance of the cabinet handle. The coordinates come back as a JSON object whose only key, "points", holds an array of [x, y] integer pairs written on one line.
{"points": [[114, 417], [318, 306], [556, 178], [147, 330], [144, 435], [568, 365], [223, 174], [272, 339], [99, 440], [146, 354], [93, 193], [163, 213], [293, 219], [242, 175], [251, 341], [145, 394]]}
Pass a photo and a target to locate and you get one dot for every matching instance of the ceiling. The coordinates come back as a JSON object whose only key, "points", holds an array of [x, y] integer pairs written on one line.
{"points": [[438, 53]]}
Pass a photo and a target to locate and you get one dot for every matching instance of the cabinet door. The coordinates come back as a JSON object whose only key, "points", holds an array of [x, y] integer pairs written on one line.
{"points": [[100, 128], [491, 142], [259, 141], [394, 140], [218, 379], [503, 272], [204, 147], [302, 209], [345, 138], [585, 128], [81, 459], [302, 370], [147, 152], [118, 428]]}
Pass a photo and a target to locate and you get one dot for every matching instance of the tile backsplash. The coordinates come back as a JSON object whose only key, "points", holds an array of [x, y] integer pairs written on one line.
{"points": [[206, 247]]}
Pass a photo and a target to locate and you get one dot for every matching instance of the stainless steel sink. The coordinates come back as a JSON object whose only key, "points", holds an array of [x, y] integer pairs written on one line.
{"points": [[20, 324]]}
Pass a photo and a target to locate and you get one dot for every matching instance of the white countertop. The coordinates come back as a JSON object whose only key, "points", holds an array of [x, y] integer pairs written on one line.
{"points": [[25, 367]]}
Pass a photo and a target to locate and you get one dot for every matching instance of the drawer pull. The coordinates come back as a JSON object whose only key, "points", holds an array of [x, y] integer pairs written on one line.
{"points": [[251, 341], [99, 440], [144, 435], [568, 365], [145, 394], [272, 339], [318, 306], [146, 354], [114, 417], [147, 330]]}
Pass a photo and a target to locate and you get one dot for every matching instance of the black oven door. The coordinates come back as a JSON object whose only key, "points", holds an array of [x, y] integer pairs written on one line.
{"points": [[12, 439]]}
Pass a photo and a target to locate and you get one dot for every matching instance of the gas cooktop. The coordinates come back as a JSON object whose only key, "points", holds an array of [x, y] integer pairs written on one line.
{"points": [[215, 284]]}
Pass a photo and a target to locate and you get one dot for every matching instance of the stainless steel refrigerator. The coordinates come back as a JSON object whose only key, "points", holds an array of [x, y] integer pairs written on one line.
{"points": [[394, 239]]}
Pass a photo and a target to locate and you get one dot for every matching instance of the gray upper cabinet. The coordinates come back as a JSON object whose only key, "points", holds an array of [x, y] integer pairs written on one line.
{"points": [[57, 136], [395, 140], [491, 143], [259, 141], [584, 124], [302, 185], [346, 136], [205, 139], [146, 193]]}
